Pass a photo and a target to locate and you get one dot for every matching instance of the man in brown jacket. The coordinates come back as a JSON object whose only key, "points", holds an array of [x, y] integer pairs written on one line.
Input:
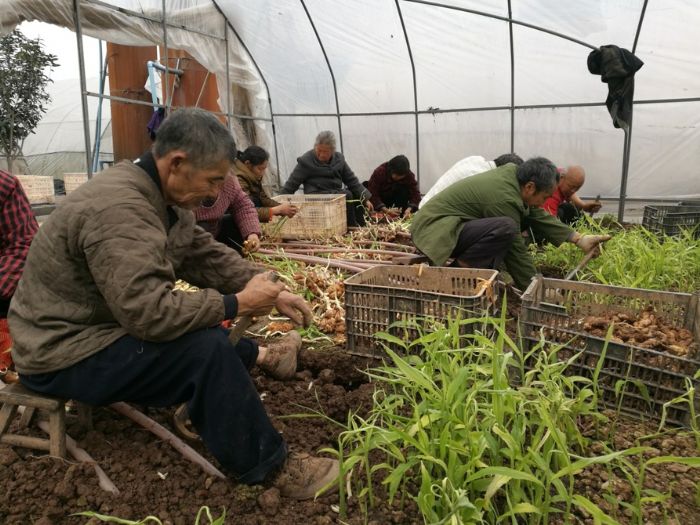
{"points": [[96, 317]]}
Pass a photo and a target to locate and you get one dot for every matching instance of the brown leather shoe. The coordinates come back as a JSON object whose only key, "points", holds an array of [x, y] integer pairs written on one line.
{"points": [[304, 475], [281, 359]]}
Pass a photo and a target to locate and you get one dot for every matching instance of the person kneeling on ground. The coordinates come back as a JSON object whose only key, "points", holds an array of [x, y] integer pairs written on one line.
{"points": [[231, 217], [96, 317], [393, 185], [564, 203], [479, 220], [250, 168], [323, 170]]}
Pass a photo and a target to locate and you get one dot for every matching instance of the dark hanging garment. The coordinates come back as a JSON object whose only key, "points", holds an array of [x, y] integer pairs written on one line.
{"points": [[617, 67], [156, 120]]}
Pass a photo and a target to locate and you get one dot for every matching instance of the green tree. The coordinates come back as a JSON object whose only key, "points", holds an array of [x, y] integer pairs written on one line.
{"points": [[23, 96]]}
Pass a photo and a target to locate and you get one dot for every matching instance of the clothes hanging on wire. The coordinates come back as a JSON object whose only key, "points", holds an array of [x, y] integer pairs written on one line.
{"points": [[617, 67], [154, 123]]}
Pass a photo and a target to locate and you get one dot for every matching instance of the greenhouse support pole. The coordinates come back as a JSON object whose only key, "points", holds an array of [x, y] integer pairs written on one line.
{"points": [[625, 171], [415, 89], [83, 87], [98, 123], [628, 133], [229, 110], [166, 99], [512, 80], [330, 70]]}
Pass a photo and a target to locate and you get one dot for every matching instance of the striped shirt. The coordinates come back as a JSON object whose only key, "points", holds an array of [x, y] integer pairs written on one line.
{"points": [[231, 199], [17, 229]]}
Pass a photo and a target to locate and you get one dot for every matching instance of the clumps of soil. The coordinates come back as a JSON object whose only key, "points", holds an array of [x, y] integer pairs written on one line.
{"points": [[647, 330]]}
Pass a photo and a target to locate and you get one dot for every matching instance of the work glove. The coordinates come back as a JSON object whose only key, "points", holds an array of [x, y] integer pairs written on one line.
{"points": [[589, 242]]}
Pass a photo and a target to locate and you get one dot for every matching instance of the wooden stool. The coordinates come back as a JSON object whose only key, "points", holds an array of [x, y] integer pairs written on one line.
{"points": [[15, 395]]}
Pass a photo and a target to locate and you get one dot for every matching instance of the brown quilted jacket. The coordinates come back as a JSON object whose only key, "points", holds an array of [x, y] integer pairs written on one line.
{"points": [[104, 265]]}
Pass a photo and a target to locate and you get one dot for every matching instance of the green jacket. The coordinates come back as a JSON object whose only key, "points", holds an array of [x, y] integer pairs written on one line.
{"points": [[254, 189], [495, 193]]}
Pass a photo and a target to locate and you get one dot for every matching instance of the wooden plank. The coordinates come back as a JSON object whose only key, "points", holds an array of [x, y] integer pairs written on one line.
{"points": [[26, 417], [19, 395], [25, 441], [84, 415], [7, 412], [57, 433]]}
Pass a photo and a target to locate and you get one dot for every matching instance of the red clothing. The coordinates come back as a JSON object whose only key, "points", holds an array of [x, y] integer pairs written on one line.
{"points": [[551, 205], [17, 229], [383, 187], [231, 199]]}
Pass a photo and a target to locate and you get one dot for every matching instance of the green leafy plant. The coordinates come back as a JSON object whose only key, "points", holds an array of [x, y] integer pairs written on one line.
{"points": [[635, 258], [23, 95], [455, 436]]}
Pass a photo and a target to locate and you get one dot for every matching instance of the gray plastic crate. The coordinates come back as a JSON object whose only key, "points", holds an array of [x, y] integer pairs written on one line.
{"points": [[380, 296], [554, 309], [670, 220]]}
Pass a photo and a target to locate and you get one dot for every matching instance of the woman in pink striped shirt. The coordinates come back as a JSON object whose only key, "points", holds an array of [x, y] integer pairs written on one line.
{"points": [[231, 218]]}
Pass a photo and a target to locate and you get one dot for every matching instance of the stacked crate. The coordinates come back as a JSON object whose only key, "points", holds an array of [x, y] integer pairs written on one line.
{"points": [[554, 310]]}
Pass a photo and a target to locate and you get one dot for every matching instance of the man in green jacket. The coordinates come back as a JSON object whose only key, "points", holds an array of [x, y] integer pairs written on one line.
{"points": [[96, 316], [478, 220]]}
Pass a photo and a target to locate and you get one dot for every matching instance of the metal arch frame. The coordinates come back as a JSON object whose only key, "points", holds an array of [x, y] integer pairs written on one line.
{"points": [[165, 62], [512, 79], [415, 88], [163, 21], [330, 70], [262, 77], [512, 107], [83, 87], [627, 146]]}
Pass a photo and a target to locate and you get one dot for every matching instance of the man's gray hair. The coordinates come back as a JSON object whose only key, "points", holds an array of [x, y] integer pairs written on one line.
{"points": [[198, 133], [327, 138], [542, 172]]}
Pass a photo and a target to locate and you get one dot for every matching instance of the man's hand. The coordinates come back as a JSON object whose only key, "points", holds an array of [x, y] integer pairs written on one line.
{"points": [[294, 307], [259, 295], [368, 205], [589, 242], [252, 243], [592, 206]]}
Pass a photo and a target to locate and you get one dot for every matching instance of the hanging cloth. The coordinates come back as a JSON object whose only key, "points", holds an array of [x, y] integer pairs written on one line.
{"points": [[617, 67], [155, 122]]}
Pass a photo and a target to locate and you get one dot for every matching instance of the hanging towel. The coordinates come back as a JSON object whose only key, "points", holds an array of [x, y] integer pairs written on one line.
{"points": [[617, 67]]}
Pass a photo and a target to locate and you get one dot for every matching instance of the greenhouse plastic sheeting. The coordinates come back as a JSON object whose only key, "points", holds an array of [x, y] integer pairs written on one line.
{"points": [[433, 80]]}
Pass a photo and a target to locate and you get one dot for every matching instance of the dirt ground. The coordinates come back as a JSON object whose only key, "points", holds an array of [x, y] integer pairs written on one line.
{"points": [[155, 480]]}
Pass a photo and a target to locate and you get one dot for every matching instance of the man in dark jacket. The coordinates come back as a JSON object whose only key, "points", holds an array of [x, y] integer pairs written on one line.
{"points": [[393, 185], [96, 316], [324, 170]]}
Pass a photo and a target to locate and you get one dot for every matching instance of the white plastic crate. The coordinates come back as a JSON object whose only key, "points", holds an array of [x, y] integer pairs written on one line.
{"points": [[71, 181], [39, 188]]}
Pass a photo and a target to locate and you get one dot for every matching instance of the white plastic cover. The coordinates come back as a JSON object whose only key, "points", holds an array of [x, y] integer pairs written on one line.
{"points": [[321, 58]]}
